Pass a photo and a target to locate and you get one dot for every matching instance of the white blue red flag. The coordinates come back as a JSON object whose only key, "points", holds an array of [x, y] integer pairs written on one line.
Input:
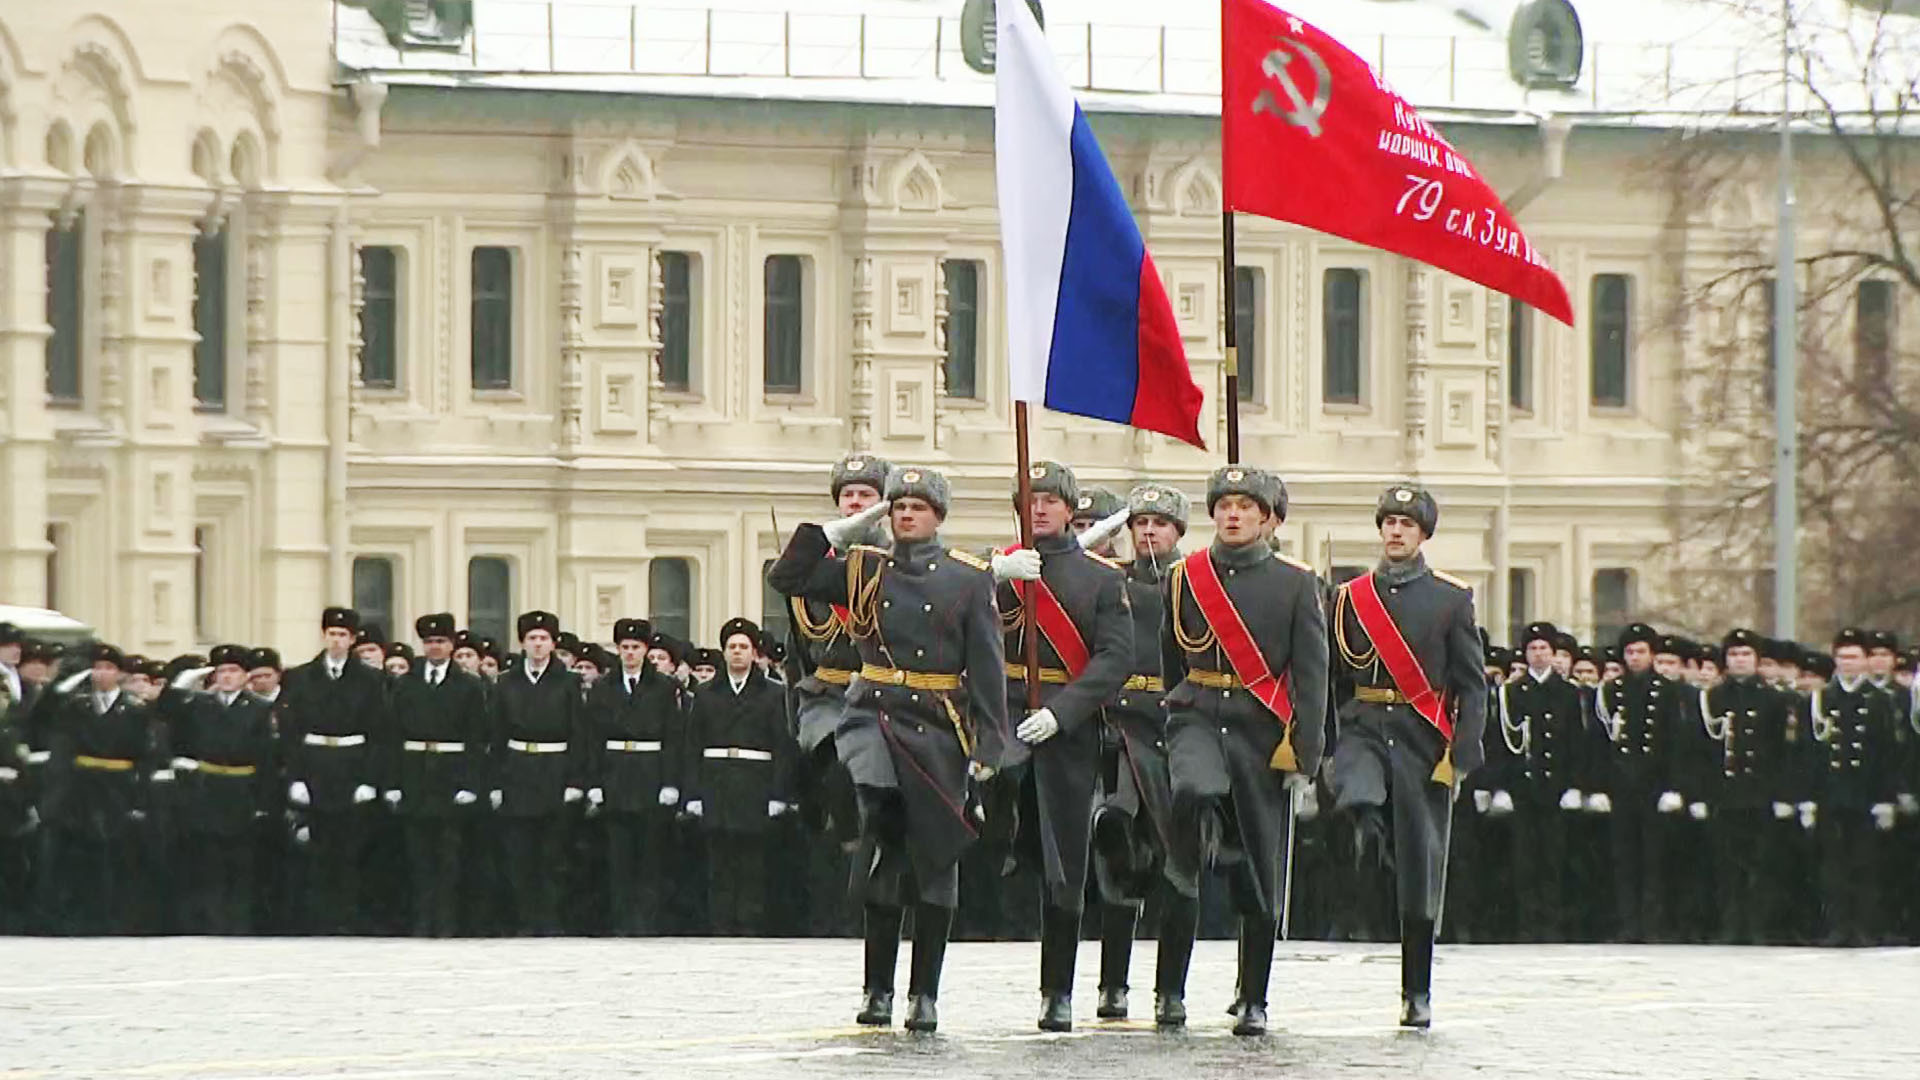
{"points": [[1089, 328]]}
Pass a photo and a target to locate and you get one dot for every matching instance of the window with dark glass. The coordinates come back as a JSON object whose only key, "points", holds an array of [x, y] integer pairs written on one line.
{"points": [[1248, 322], [210, 320], [1342, 298], [64, 306], [775, 616], [490, 597], [492, 285], [1612, 603], [1873, 328], [1611, 338], [670, 596], [56, 543], [379, 317], [202, 578], [785, 334], [373, 592], [1519, 604], [963, 328], [676, 321], [1519, 356]]}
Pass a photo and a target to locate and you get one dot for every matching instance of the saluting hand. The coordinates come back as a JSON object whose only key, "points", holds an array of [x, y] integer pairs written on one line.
{"points": [[841, 532]]}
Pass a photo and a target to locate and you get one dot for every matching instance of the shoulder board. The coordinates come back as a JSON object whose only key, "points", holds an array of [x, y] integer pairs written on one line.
{"points": [[1296, 563], [1451, 580], [968, 558], [871, 550], [1104, 561]]}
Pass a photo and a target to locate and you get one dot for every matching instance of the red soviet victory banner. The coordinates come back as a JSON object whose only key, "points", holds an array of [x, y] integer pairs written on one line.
{"points": [[1309, 134]]}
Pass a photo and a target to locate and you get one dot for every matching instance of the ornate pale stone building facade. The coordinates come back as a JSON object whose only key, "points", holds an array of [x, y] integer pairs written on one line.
{"points": [[351, 323]]}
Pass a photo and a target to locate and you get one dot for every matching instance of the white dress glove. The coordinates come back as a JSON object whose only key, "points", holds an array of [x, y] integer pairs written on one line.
{"points": [[1697, 811], [496, 797], [696, 808], [465, 798], [1038, 728], [297, 793], [842, 531], [1300, 792], [669, 796], [1809, 813], [162, 776], [184, 764], [1783, 811], [1099, 532], [1599, 803], [980, 773], [393, 797], [1482, 800], [39, 757], [1502, 804], [572, 795], [1909, 805], [1883, 816], [775, 808], [8, 774], [1022, 565], [364, 794], [1570, 799], [302, 834], [1670, 802], [596, 796]]}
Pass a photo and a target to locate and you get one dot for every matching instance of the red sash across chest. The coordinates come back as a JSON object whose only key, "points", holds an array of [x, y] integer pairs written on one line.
{"points": [[1054, 622], [1249, 663], [1396, 655]]}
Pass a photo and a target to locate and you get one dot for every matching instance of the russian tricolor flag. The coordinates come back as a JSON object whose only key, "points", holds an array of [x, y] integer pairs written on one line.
{"points": [[1089, 328]]}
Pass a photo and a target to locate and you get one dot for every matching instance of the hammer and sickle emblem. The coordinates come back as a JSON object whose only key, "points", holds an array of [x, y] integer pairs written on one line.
{"points": [[1301, 113]]}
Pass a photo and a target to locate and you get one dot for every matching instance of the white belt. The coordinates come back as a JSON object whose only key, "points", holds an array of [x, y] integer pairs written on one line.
{"points": [[334, 741], [536, 747], [421, 746], [650, 746], [737, 753]]}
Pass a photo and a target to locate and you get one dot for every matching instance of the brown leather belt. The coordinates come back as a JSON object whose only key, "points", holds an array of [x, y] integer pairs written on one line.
{"points": [[212, 769]]}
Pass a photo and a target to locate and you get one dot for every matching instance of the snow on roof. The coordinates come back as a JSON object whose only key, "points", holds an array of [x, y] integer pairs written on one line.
{"points": [[1646, 61]]}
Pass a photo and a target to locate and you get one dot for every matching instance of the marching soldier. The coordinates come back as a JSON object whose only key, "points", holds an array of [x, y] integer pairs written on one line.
{"points": [[924, 617], [1408, 651], [1542, 710], [1854, 721], [223, 767], [635, 735], [739, 779], [1085, 652], [539, 764], [1640, 711], [1244, 649], [1749, 719], [1134, 816], [1095, 505], [334, 727], [441, 713]]}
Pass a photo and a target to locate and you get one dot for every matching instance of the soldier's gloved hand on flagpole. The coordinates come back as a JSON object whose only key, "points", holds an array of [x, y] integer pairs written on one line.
{"points": [[297, 793], [1100, 531], [1502, 804], [1697, 811], [841, 532], [1670, 802], [1300, 790], [1038, 728], [1482, 800], [1599, 803], [1883, 816], [1783, 811], [1570, 799], [1022, 565]]}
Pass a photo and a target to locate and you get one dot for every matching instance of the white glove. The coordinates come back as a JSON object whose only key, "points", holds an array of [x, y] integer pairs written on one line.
{"points": [[1300, 792], [191, 678], [393, 797], [1022, 565], [1502, 804], [297, 793], [697, 808], [39, 757], [669, 796], [1307, 808], [1482, 800], [596, 796], [842, 531], [1670, 802], [162, 776], [775, 808], [185, 764], [1600, 803], [8, 774], [136, 815], [1909, 805], [1038, 728], [1570, 799], [1883, 816], [1809, 813], [496, 797], [364, 794], [1782, 811], [1697, 811], [1099, 531], [465, 798], [302, 834], [572, 795], [980, 773]]}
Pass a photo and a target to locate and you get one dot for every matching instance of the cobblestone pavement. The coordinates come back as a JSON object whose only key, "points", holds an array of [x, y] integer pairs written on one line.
{"points": [[387, 1010]]}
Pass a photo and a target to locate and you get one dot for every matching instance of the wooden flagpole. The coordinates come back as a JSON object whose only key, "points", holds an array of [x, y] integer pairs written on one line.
{"points": [[1029, 638], [1229, 289]]}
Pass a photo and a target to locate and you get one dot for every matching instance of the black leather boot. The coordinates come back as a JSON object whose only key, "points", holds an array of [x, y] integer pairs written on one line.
{"points": [[882, 954], [930, 926], [1175, 953], [1416, 973], [1256, 966], [1059, 947], [1117, 922]]}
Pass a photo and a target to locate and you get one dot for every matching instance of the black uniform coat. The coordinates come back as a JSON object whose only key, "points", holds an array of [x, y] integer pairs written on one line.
{"points": [[314, 703], [1553, 715], [1753, 759], [1066, 767], [916, 607], [1137, 720], [636, 741], [1387, 754], [1856, 727], [454, 712], [1221, 743], [233, 743], [733, 787], [546, 710], [1641, 711], [94, 802]]}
